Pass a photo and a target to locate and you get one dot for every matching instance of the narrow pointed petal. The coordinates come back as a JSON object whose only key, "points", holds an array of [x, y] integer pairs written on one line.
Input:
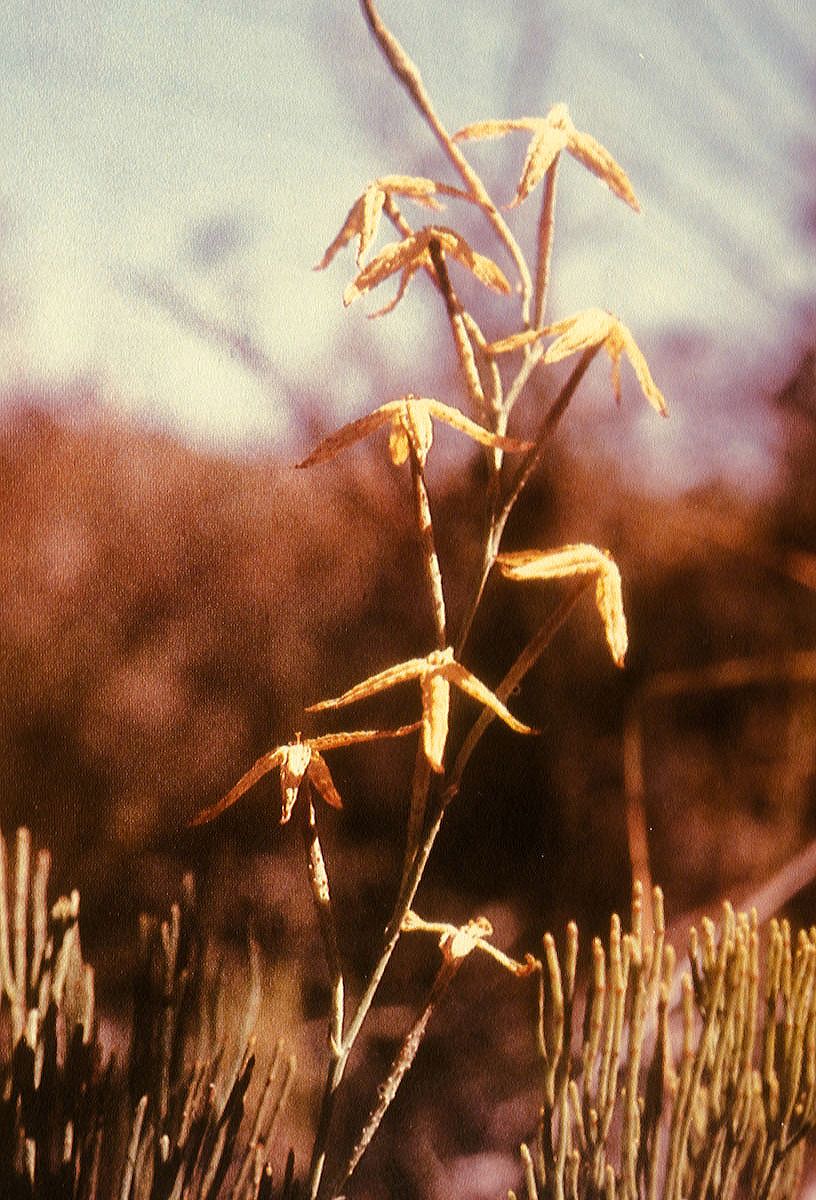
{"points": [[597, 159], [435, 718], [473, 687], [418, 429], [348, 434], [265, 764], [546, 145], [407, 275], [569, 561], [335, 741], [415, 187], [349, 230], [320, 777], [296, 759], [515, 341], [644, 376], [392, 258], [609, 599], [372, 206], [579, 559], [485, 270], [411, 669], [458, 420], [481, 130], [399, 445], [579, 332]]}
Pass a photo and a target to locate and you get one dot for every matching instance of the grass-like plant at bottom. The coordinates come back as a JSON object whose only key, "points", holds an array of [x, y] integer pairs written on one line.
{"points": [[640, 1100], [656, 1083], [169, 1122]]}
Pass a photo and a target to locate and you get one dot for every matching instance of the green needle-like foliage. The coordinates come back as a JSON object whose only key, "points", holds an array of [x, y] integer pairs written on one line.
{"points": [[662, 1086], [169, 1124]]}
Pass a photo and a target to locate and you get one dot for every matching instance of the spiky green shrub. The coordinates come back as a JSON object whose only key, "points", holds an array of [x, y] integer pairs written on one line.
{"points": [[171, 1119]]}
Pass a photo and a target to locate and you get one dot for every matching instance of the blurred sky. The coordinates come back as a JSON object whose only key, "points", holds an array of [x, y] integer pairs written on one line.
{"points": [[171, 171]]}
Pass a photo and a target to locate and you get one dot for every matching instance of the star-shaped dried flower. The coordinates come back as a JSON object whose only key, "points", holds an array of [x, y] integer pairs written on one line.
{"points": [[411, 425], [363, 218], [413, 254], [591, 327], [299, 760], [457, 942], [551, 135], [436, 672], [581, 559]]}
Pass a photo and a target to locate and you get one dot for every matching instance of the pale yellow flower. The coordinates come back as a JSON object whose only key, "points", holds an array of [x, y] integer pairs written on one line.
{"points": [[413, 254], [457, 942], [410, 425], [580, 559], [363, 218], [591, 327], [436, 672], [551, 135], [299, 760]]}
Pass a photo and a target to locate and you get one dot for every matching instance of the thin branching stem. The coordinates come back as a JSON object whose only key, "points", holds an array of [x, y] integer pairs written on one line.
{"points": [[529, 466], [399, 1068], [433, 573], [525, 662], [408, 75], [546, 230], [319, 881], [391, 936]]}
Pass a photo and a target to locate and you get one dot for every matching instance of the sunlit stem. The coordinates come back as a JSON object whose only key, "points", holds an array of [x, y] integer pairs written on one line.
{"points": [[527, 469], [433, 573], [399, 1068], [417, 807], [461, 337], [340, 1055], [525, 662], [546, 230], [319, 882], [409, 76]]}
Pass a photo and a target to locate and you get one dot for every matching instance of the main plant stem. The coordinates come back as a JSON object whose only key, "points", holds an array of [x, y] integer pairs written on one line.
{"points": [[408, 74]]}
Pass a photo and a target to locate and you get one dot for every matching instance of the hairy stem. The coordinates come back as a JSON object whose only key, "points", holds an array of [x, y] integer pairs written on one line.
{"points": [[399, 1069], [422, 508], [546, 230], [319, 882], [391, 936]]}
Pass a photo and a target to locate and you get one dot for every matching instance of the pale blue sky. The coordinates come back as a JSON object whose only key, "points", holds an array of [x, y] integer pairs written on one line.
{"points": [[214, 146]]}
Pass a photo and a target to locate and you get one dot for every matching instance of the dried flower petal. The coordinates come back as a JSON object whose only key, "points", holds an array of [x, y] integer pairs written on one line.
{"points": [[438, 665], [321, 779], [473, 687], [411, 427], [547, 143], [296, 760], [580, 559], [457, 942], [412, 253], [596, 327], [410, 418], [551, 135], [435, 717], [515, 341], [363, 219]]}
